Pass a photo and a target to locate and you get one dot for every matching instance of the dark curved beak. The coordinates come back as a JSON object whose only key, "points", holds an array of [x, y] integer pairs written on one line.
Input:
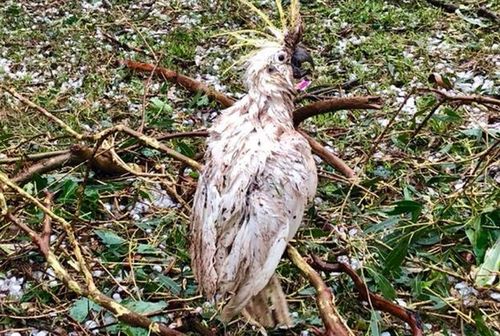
{"points": [[299, 57]]}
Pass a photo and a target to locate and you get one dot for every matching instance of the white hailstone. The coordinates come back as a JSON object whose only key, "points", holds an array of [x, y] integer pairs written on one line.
{"points": [[385, 333], [459, 185], [50, 273], [41, 333], [97, 273], [53, 283], [356, 263], [330, 149], [304, 333], [108, 319], [383, 122], [117, 297], [401, 302], [488, 85], [410, 107], [495, 296], [92, 326], [343, 259], [318, 201], [157, 268], [341, 47], [353, 232], [198, 310], [14, 334]]}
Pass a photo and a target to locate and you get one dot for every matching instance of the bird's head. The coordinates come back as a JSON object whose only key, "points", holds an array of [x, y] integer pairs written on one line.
{"points": [[278, 69], [279, 64]]}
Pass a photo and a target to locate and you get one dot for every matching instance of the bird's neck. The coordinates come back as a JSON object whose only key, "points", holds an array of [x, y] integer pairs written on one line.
{"points": [[271, 107]]}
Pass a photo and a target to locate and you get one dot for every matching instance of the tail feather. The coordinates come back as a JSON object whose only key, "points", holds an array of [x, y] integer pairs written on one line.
{"points": [[269, 308]]}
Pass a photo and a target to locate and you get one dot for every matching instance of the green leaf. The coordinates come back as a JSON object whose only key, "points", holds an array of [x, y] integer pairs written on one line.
{"points": [[481, 326], [134, 331], [169, 283], [374, 320], [407, 206], [438, 302], [148, 249], [386, 224], [442, 178], [397, 255], [383, 284], [159, 106], [81, 308], [185, 149], [145, 307], [109, 238], [69, 191], [490, 267]]}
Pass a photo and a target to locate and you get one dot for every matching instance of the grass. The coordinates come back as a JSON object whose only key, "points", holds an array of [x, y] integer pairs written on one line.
{"points": [[418, 224]]}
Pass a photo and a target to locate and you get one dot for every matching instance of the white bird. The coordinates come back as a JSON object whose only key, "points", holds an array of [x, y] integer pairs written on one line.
{"points": [[259, 175]]}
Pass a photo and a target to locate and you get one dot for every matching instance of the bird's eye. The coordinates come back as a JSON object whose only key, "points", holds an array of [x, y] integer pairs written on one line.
{"points": [[281, 57]]}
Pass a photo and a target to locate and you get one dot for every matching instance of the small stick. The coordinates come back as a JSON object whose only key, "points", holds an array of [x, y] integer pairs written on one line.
{"points": [[336, 104], [334, 324], [463, 99], [386, 129], [175, 77], [329, 157], [33, 157], [376, 301], [43, 111]]}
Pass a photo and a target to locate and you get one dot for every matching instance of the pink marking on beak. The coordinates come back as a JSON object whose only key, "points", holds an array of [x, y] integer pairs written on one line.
{"points": [[303, 85]]}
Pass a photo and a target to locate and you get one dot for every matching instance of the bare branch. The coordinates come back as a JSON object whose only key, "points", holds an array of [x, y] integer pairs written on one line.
{"points": [[43, 111], [463, 99], [175, 77], [334, 324], [33, 157], [336, 104], [45, 166], [376, 301], [328, 157]]}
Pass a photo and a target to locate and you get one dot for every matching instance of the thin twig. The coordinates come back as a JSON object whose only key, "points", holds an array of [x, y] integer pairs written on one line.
{"points": [[33, 157], [334, 324], [376, 301], [389, 124], [336, 104], [329, 157], [175, 77], [463, 99], [43, 111], [451, 8]]}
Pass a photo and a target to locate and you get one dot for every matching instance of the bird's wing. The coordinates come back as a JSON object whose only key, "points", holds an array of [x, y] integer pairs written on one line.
{"points": [[232, 160], [276, 205], [249, 203]]}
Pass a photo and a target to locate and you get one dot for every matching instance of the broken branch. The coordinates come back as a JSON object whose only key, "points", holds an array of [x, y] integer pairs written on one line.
{"points": [[336, 104], [328, 157], [43, 111], [175, 77], [375, 300], [325, 299], [90, 291]]}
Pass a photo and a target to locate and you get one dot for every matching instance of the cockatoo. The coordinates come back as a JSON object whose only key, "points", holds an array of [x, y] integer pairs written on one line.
{"points": [[258, 177]]}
